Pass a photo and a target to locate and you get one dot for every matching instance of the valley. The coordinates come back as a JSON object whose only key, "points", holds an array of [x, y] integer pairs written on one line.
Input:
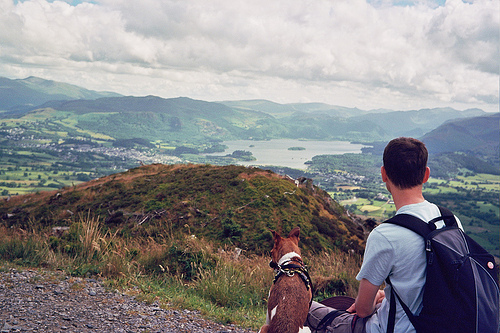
{"points": [[28, 166], [65, 141]]}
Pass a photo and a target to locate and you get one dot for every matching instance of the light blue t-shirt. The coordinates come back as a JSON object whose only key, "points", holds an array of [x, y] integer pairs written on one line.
{"points": [[399, 253]]}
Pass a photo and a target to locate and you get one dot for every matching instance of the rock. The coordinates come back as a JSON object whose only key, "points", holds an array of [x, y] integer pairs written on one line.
{"points": [[6, 328]]}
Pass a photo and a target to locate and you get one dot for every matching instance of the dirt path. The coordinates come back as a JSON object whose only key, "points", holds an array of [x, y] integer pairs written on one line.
{"points": [[43, 301]]}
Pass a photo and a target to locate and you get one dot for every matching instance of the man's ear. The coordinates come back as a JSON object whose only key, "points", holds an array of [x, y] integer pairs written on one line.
{"points": [[427, 175], [384, 174]]}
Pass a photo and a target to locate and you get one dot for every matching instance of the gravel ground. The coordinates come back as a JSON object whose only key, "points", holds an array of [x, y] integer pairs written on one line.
{"points": [[42, 301]]}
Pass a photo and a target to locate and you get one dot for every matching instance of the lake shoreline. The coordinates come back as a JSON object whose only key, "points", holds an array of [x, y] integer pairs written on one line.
{"points": [[277, 152]]}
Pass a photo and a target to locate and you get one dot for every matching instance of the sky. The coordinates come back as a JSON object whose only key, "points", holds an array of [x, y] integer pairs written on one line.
{"points": [[376, 54]]}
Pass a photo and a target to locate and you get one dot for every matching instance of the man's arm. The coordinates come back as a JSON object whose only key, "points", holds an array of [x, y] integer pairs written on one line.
{"points": [[369, 296]]}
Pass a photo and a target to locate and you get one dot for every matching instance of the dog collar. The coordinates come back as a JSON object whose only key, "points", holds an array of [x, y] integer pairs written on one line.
{"points": [[289, 269], [290, 256]]}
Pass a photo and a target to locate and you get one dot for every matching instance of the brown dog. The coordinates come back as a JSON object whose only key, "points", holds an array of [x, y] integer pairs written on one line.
{"points": [[291, 294]]}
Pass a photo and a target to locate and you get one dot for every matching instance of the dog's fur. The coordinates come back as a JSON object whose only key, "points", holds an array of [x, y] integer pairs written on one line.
{"points": [[289, 297]]}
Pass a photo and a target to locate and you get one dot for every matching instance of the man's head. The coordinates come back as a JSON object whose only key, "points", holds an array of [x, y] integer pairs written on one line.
{"points": [[405, 162]]}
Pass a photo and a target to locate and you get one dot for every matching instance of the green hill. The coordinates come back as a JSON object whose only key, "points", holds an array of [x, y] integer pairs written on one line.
{"points": [[230, 205], [34, 91], [473, 134], [192, 121], [180, 120], [417, 122]]}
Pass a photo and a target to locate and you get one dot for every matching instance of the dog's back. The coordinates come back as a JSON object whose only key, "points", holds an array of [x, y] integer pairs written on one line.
{"points": [[290, 295], [288, 305]]}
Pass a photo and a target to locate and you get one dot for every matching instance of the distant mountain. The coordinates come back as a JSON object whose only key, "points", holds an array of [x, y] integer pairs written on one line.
{"points": [[327, 109], [176, 119], [283, 110], [417, 122], [480, 135], [34, 91], [320, 126], [324, 121], [260, 105], [181, 106], [187, 121], [184, 121]]}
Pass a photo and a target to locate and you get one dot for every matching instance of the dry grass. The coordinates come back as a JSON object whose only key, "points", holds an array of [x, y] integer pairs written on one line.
{"points": [[224, 284], [333, 273]]}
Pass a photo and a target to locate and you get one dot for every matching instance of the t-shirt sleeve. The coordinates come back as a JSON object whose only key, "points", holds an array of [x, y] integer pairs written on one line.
{"points": [[378, 259]]}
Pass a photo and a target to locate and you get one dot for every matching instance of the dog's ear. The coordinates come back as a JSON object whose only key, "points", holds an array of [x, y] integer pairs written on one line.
{"points": [[276, 236], [295, 233]]}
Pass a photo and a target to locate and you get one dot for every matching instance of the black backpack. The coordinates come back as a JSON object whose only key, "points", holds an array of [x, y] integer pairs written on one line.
{"points": [[461, 292]]}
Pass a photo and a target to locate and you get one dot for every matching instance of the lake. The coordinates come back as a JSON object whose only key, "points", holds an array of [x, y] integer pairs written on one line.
{"points": [[277, 153]]}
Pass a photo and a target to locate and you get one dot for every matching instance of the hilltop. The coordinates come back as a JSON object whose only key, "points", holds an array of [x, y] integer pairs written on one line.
{"points": [[33, 91], [226, 205]]}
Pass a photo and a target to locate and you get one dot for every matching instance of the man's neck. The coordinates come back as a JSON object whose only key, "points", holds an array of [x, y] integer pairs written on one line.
{"points": [[407, 196]]}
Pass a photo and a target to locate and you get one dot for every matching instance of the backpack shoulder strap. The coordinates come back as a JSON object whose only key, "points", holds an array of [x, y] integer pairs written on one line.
{"points": [[420, 227], [423, 229], [392, 309], [447, 216], [411, 222]]}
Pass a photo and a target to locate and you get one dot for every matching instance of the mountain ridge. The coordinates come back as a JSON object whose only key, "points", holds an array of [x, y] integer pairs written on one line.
{"points": [[202, 120], [19, 94], [184, 121], [474, 134]]}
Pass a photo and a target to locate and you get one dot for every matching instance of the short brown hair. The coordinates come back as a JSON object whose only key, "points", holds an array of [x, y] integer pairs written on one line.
{"points": [[405, 162]]}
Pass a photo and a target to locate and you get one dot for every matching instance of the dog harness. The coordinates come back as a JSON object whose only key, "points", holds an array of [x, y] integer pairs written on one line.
{"points": [[289, 269]]}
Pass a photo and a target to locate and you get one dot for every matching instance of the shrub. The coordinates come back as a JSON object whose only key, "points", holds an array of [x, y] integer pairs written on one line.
{"points": [[27, 253], [176, 259], [234, 283]]}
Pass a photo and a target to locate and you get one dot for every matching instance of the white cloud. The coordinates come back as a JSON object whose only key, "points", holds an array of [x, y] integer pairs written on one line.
{"points": [[391, 54]]}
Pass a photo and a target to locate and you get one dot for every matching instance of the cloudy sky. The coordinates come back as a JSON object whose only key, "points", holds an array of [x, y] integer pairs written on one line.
{"points": [[369, 54]]}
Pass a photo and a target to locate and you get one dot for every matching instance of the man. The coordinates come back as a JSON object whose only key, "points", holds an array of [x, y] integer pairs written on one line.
{"points": [[391, 250]]}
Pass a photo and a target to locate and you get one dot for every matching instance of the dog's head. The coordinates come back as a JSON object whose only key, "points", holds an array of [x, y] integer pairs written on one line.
{"points": [[283, 246]]}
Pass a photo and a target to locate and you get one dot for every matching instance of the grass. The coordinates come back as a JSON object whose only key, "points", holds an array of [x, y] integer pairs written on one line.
{"points": [[179, 271]]}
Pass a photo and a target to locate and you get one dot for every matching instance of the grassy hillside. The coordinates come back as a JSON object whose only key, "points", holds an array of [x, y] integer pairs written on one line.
{"points": [[477, 135], [229, 205], [34, 91], [177, 121]]}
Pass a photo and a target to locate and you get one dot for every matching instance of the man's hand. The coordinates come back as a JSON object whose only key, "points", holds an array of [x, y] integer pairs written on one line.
{"points": [[369, 296], [352, 308], [380, 297]]}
